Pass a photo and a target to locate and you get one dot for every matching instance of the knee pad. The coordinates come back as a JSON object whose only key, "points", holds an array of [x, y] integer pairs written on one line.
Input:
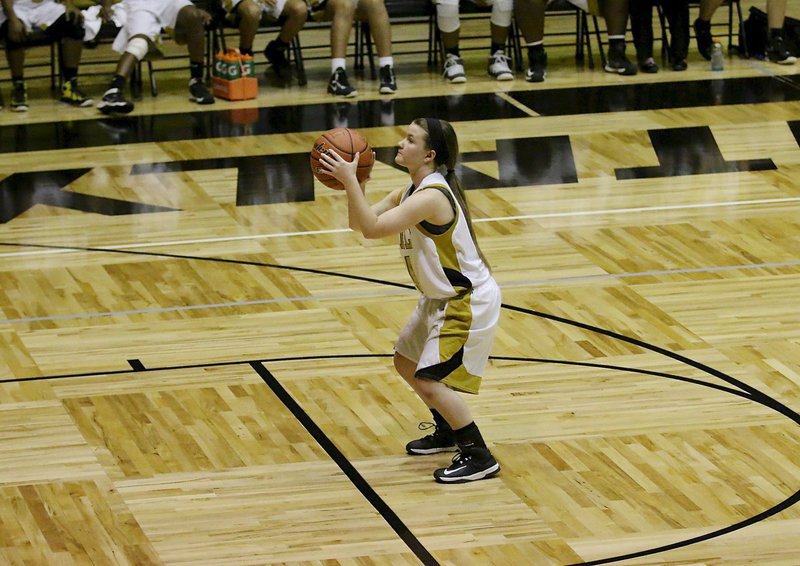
{"points": [[447, 15], [502, 10], [138, 47]]}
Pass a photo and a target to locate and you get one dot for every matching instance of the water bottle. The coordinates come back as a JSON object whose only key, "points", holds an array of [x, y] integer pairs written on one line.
{"points": [[717, 58]]}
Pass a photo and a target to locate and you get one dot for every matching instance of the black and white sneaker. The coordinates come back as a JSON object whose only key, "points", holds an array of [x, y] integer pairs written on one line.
{"points": [[537, 69], [470, 464], [388, 80], [617, 62], [114, 103], [498, 66], [199, 93], [454, 69], [19, 97], [340, 86], [778, 53], [441, 440]]}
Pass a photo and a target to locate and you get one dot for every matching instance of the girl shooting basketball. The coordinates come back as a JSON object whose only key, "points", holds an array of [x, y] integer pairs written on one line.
{"points": [[445, 345]]}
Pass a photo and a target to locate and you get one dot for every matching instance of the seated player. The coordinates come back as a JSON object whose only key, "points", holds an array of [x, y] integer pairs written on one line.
{"points": [[60, 22], [140, 34]]}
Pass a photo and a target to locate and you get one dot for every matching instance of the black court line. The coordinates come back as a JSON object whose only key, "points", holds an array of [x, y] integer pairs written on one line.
{"points": [[346, 466], [745, 390], [137, 365]]}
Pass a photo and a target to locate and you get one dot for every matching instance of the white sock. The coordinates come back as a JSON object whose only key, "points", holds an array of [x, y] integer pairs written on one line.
{"points": [[337, 62], [383, 61], [532, 43]]}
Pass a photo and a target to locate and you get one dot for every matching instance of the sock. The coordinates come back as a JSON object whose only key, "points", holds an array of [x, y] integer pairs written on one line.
{"points": [[441, 423], [70, 73], [534, 48], [497, 47], [117, 82], [453, 51], [775, 33], [280, 44], [469, 436], [383, 61], [338, 63], [196, 70], [246, 50]]}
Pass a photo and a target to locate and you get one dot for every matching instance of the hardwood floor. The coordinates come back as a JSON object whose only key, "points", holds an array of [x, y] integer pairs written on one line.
{"points": [[196, 351]]}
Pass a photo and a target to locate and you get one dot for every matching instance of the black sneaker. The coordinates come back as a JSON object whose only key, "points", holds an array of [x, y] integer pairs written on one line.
{"points": [[199, 93], [340, 86], [19, 97], [114, 103], [388, 81], [648, 65], [537, 69], [72, 95], [442, 440], [705, 41], [470, 464], [617, 62], [777, 52], [276, 55]]}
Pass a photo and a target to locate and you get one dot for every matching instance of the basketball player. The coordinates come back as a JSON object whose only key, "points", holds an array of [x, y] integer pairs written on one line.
{"points": [[444, 347], [144, 20], [62, 22]]}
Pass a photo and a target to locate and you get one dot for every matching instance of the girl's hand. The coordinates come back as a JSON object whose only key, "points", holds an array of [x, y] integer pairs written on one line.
{"points": [[338, 167]]}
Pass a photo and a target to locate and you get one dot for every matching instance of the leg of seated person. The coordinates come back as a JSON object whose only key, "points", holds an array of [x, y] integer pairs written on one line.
{"points": [[615, 13], [249, 15], [69, 30], [190, 27], [677, 12], [449, 25], [530, 18], [702, 27], [114, 101], [776, 47], [295, 13], [341, 14], [500, 24], [15, 55], [642, 27], [374, 12]]}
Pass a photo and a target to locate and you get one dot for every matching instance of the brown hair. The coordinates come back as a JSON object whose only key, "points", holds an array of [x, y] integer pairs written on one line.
{"points": [[441, 138]]}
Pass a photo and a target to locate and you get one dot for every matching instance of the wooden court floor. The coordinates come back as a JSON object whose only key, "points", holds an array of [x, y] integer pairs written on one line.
{"points": [[195, 351]]}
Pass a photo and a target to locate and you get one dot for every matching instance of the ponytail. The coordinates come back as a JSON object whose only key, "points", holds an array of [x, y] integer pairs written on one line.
{"points": [[442, 139]]}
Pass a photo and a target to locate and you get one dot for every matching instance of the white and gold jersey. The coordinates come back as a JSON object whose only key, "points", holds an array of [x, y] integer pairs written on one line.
{"points": [[442, 264]]}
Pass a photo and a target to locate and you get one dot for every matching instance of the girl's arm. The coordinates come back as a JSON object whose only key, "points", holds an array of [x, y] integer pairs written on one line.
{"points": [[387, 217]]}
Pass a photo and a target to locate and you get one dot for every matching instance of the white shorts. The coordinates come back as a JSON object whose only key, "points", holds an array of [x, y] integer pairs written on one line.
{"points": [[273, 12], [36, 15], [147, 18], [450, 339]]}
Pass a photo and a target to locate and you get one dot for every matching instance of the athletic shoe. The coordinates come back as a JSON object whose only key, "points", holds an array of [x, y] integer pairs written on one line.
{"points": [[705, 41], [470, 464], [617, 62], [679, 65], [72, 95], [648, 65], [537, 66], [276, 55], [19, 97], [340, 86], [454, 69], [388, 80], [442, 440], [199, 93], [114, 102], [498, 66], [777, 52]]}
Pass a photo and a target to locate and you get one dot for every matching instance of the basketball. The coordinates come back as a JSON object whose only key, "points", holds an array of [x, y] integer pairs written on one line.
{"points": [[347, 143]]}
